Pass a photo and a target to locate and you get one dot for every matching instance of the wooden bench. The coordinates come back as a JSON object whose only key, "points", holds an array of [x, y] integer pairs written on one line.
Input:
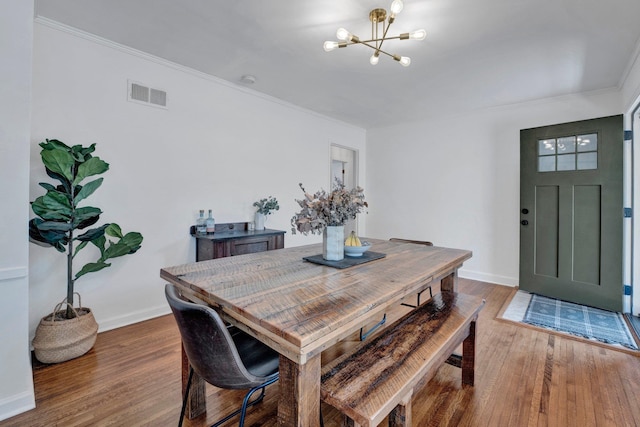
{"points": [[378, 379]]}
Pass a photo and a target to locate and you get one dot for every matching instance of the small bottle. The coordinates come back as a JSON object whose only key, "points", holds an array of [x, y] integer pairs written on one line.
{"points": [[211, 224], [201, 224]]}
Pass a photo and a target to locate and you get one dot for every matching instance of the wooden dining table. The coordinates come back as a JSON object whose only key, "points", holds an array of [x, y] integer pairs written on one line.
{"points": [[300, 308]]}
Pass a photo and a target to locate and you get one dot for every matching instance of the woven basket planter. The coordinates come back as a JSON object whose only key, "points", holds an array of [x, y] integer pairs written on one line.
{"points": [[58, 339]]}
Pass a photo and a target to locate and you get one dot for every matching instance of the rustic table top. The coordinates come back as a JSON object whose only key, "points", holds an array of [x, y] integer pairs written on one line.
{"points": [[301, 308]]}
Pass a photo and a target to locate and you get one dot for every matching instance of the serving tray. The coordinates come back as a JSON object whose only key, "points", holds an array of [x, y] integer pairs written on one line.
{"points": [[347, 261]]}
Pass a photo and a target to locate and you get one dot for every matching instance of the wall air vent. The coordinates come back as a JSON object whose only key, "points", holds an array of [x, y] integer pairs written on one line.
{"points": [[137, 92]]}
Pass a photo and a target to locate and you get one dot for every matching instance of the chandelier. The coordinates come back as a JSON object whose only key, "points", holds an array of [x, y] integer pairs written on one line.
{"points": [[380, 24]]}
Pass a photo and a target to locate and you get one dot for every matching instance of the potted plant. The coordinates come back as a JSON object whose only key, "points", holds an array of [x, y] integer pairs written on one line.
{"points": [[265, 207], [58, 218], [325, 213]]}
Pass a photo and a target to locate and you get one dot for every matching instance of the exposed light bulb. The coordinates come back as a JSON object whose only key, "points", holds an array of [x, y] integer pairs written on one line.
{"points": [[405, 61], [396, 7], [343, 34], [329, 46], [374, 59], [418, 34]]}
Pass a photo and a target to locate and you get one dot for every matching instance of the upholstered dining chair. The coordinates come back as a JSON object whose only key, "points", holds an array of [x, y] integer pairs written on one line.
{"points": [[417, 242], [223, 356]]}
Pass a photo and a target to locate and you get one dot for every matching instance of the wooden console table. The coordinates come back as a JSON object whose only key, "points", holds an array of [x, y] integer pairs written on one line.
{"points": [[235, 239]]}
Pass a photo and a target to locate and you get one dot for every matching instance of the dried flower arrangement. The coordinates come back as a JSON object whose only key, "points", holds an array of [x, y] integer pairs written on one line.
{"points": [[327, 209], [265, 206]]}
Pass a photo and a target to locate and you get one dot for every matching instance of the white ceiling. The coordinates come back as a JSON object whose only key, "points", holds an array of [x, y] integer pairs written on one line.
{"points": [[478, 53]]}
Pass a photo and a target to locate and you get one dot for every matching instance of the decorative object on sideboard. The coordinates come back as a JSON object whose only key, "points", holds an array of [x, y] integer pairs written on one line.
{"points": [[210, 223], [201, 224], [323, 210], [265, 207], [380, 23], [58, 216]]}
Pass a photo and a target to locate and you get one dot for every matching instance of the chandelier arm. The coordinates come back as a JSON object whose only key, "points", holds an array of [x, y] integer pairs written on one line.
{"points": [[384, 35], [387, 38], [376, 48]]}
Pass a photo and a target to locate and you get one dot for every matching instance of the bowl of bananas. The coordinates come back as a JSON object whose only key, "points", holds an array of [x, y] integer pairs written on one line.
{"points": [[353, 247]]}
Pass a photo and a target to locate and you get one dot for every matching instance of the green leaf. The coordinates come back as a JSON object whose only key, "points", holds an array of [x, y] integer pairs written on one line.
{"points": [[114, 230], [54, 226], [93, 166], [92, 234], [54, 238], [100, 242], [53, 206], [49, 187], [92, 267], [81, 153], [87, 190], [59, 162], [129, 244], [79, 248], [54, 144], [86, 216]]}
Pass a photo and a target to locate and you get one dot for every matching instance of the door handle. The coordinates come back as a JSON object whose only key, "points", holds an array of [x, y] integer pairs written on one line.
{"points": [[525, 211], [524, 222]]}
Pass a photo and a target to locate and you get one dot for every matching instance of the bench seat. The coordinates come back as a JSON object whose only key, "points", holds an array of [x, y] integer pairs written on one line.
{"points": [[378, 378]]}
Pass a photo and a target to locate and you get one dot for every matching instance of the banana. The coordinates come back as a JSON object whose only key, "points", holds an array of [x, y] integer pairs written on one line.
{"points": [[352, 240]]}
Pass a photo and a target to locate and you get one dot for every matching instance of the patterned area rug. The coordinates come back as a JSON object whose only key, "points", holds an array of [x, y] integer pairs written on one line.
{"points": [[578, 320]]}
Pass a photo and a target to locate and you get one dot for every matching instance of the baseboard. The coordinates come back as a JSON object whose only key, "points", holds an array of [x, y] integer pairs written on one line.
{"points": [[131, 318], [490, 278], [17, 404]]}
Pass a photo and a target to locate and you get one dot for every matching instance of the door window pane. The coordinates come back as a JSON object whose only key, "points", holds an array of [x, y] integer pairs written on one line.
{"points": [[588, 142], [547, 164], [587, 161], [567, 162], [546, 147], [567, 144]]}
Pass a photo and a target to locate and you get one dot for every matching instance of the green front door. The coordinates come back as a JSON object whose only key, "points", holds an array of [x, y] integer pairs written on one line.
{"points": [[571, 211]]}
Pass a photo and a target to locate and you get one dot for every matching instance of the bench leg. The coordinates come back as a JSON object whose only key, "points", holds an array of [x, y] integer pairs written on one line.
{"points": [[400, 416], [469, 355]]}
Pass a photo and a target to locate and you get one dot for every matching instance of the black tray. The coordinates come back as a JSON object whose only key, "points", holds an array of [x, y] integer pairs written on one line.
{"points": [[347, 261]]}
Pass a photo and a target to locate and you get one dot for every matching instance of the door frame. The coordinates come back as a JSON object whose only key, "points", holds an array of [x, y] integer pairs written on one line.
{"points": [[334, 156], [631, 252]]}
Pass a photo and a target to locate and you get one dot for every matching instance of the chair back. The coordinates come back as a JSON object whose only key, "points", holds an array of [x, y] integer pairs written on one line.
{"points": [[417, 242], [211, 350]]}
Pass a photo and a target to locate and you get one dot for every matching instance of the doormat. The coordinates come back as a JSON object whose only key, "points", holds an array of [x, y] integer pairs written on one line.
{"points": [[574, 319]]}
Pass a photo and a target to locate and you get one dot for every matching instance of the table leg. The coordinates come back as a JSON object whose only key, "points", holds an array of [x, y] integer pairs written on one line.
{"points": [[450, 283], [197, 404], [299, 403], [469, 355]]}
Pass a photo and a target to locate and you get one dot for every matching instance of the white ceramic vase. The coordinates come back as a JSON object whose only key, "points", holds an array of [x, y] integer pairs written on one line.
{"points": [[259, 220], [333, 243]]}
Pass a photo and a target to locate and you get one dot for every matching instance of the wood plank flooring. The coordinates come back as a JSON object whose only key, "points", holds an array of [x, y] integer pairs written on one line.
{"points": [[524, 377]]}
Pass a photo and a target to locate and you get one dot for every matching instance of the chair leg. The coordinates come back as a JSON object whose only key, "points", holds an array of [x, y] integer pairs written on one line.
{"points": [[186, 396], [247, 404]]}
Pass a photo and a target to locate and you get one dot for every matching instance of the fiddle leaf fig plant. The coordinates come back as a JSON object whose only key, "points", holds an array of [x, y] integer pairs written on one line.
{"points": [[59, 216]]}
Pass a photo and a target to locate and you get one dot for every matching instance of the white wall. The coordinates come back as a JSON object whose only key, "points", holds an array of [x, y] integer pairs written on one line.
{"points": [[16, 37], [217, 146], [455, 180]]}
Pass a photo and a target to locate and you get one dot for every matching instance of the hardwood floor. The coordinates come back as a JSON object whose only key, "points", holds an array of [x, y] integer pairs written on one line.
{"points": [[524, 377]]}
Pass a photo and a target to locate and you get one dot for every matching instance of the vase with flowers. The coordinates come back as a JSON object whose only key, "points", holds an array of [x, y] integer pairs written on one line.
{"points": [[265, 206], [326, 213]]}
